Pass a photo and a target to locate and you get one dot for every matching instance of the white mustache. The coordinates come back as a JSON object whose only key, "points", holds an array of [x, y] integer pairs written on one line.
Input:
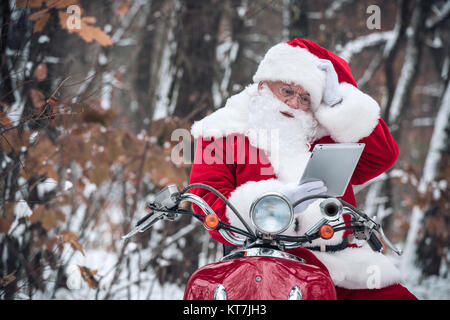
{"points": [[279, 106], [265, 112]]}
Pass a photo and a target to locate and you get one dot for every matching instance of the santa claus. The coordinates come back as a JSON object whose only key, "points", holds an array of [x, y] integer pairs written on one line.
{"points": [[261, 140]]}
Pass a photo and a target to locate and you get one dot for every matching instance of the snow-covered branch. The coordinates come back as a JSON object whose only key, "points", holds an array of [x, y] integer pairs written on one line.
{"points": [[441, 16], [357, 45]]}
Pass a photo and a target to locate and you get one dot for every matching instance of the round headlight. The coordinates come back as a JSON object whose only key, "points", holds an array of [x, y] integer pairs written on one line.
{"points": [[271, 214]]}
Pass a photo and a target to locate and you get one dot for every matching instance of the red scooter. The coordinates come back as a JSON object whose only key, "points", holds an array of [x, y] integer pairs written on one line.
{"points": [[260, 268]]}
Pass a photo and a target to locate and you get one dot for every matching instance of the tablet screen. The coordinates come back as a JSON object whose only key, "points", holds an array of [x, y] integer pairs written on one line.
{"points": [[334, 164]]}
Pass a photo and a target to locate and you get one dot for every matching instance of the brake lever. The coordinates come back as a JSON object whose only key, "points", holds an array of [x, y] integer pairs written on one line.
{"points": [[144, 224], [367, 233], [380, 232]]}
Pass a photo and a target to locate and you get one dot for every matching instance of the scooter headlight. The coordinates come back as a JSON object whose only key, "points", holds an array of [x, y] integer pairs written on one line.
{"points": [[271, 214]]}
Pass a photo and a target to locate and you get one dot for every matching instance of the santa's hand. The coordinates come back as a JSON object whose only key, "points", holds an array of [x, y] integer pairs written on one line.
{"points": [[295, 192], [331, 95]]}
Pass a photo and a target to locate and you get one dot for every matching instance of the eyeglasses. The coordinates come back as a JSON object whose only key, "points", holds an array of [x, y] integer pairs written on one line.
{"points": [[286, 91]]}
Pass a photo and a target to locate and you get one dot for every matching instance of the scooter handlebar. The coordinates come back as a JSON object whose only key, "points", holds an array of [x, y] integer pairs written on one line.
{"points": [[168, 200]]}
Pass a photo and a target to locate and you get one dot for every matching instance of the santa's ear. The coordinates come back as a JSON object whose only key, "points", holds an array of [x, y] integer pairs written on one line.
{"points": [[260, 85]]}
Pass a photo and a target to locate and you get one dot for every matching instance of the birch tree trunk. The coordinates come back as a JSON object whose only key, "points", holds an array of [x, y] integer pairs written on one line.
{"points": [[428, 237]]}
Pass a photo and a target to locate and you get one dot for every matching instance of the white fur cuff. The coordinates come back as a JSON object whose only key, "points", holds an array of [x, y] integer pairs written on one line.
{"points": [[351, 120], [360, 268]]}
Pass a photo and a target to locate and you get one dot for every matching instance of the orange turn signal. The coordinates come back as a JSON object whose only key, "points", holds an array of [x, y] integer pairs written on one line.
{"points": [[326, 232], [211, 221]]}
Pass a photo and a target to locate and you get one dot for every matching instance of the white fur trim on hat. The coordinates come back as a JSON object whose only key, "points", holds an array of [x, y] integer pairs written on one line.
{"points": [[352, 119], [286, 63]]}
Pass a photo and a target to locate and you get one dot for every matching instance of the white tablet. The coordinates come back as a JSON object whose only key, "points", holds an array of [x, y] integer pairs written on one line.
{"points": [[334, 165]]}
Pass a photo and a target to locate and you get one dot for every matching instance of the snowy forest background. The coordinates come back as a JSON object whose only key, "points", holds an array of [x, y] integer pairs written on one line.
{"points": [[86, 117]]}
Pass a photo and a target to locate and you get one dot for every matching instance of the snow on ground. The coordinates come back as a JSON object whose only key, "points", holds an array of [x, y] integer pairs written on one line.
{"points": [[430, 288], [145, 286], [104, 262]]}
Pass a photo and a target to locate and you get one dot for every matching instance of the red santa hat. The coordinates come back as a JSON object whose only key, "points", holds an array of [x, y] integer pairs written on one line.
{"points": [[297, 61]]}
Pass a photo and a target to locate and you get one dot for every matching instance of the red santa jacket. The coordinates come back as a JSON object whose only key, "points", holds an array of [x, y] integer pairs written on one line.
{"points": [[227, 160], [380, 153]]}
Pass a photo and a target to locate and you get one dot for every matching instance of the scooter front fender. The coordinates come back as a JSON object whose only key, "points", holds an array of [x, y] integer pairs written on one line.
{"points": [[260, 278]]}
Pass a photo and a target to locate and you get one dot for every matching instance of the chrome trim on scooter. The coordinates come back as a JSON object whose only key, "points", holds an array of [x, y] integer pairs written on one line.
{"points": [[261, 252], [220, 293], [263, 232], [232, 239], [204, 206], [295, 294], [331, 209], [207, 209]]}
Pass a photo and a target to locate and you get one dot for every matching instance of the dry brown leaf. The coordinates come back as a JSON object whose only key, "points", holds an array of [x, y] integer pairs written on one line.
{"points": [[74, 148], [38, 214], [67, 235], [49, 171], [52, 101], [35, 4], [95, 116], [99, 174], [90, 33], [88, 276], [37, 160], [45, 242], [71, 238], [124, 8], [5, 105], [38, 14], [7, 279], [131, 145], [47, 217], [5, 224], [41, 71], [41, 22], [87, 32], [37, 98], [34, 167], [89, 20], [9, 210], [12, 140], [61, 4], [164, 172], [4, 120]]}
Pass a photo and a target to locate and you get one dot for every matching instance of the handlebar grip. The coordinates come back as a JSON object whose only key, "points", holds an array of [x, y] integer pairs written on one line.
{"points": [[142, 220], [151, 223], [374, 242]]}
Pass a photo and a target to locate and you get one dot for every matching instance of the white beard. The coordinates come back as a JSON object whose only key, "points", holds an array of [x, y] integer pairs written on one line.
{"points": [[285, 140]]}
